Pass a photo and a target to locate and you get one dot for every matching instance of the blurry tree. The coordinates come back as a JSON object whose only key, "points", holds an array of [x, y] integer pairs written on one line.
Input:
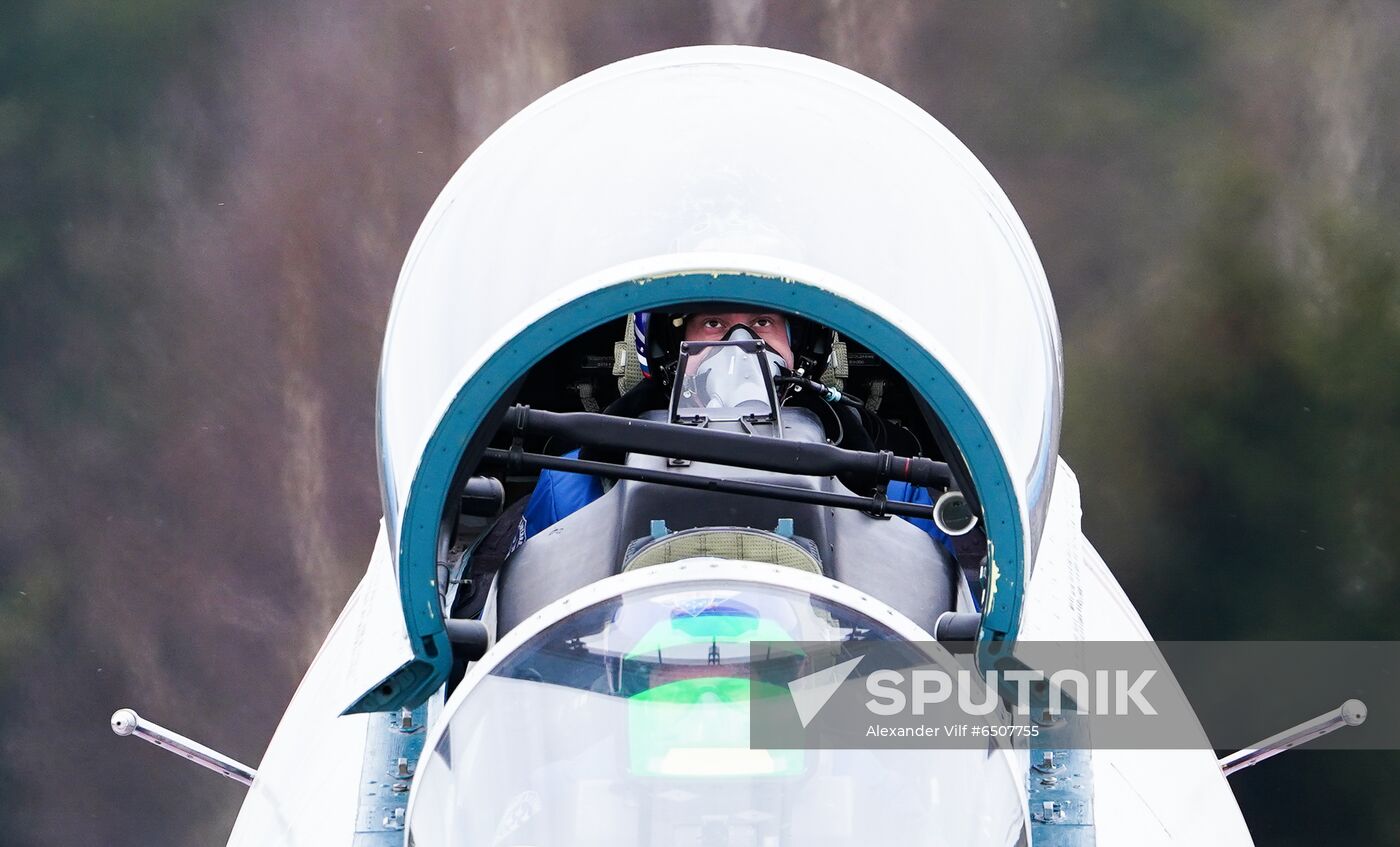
{"points": [[1236, 418], [82, 371]]}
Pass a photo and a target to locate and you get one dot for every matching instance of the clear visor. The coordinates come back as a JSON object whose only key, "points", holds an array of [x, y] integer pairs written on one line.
{"points": [[627, 723], [726, 380]]}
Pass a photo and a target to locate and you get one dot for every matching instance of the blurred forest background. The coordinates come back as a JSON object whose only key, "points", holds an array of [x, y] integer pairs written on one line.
{"points": [[203, 210]]}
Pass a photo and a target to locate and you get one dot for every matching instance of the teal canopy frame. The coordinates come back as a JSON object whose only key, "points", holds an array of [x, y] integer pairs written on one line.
{"points": [[417, 549]]}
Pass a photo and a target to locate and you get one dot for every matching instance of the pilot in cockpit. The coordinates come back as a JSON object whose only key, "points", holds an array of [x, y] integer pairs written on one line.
{"points": [[798, 350]]}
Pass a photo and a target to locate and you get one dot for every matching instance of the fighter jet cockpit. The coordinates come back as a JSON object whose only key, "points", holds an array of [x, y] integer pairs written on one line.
{"points": [[713, 429], [659, 496]]}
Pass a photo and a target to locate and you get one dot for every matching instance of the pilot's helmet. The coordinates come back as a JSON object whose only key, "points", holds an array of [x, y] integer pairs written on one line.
{"points": [[659, 334]]}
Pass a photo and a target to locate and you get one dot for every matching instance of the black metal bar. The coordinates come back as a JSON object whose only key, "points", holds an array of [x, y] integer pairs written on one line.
{"points": [[677, 441], [537, 461]]}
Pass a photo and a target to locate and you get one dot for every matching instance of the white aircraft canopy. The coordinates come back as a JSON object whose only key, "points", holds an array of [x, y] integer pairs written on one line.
{"points": [[738, 174]]}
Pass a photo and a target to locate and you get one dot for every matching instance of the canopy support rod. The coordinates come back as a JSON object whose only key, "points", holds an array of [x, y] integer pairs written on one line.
{"points": [[513, 460], [759, 452]]}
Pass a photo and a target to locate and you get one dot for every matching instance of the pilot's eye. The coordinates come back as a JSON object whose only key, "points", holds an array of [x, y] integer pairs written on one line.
{"points": [[763, 323], [712, 323]]}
